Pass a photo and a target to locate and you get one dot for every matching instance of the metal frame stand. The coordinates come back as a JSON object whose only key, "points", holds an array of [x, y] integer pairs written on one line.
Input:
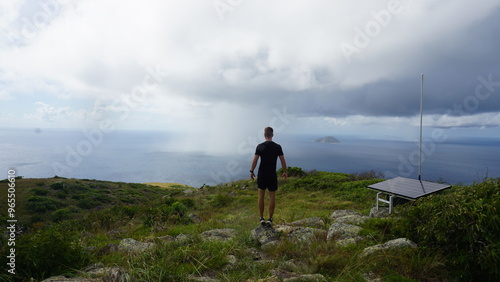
{"points": [[385, 201]]}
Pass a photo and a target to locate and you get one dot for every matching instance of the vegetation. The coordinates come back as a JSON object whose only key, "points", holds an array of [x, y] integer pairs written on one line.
{"points": [[68, 223]]}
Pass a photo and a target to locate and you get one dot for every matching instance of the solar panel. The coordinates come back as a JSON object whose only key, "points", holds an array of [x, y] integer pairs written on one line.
{"points": [[408, 188]]}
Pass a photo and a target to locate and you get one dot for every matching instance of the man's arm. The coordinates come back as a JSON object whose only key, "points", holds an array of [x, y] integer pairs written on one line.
{"points": [[283, 165], [254, 165]]}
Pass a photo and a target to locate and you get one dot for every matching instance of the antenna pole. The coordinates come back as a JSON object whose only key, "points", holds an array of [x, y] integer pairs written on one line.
{"points": [[421, 112]]}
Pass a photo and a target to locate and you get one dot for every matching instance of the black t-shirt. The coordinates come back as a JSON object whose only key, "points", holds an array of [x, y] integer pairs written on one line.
{"points": [[268, 152]]}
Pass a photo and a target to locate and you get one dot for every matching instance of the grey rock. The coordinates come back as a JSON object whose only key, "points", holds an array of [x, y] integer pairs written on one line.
{"points": [[286, 229], [392, 244], [341, 213], [342, 231], [219, 234], [264, 234], [108, 273], [195, 218], [352, 219], [316, 222], [381, 212], [182, 238], [306, 234], [130, 245], [348, 241], [306, 277], [166, 238], [270, 245]]}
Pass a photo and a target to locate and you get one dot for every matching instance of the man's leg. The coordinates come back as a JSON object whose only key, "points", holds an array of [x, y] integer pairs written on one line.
{"points": [[262, 193], [272, 203]]}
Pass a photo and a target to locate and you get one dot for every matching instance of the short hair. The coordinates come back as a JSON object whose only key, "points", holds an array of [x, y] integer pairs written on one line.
{"points": [[268, 132]]}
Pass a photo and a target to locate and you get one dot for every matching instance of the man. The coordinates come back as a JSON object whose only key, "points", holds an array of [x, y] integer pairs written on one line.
{"points": [[268, 152]]}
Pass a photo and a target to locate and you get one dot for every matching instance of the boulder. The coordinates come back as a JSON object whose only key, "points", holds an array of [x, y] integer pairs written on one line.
{"points": [[219, 234], [107, 273], [341, 213], [392, 244], [315, 222], [130, 245], [343, 231], [264, 234], [195, 218], [166, 238], [182, 238], [285, 229], [352, 219], [380, 212], [307, 234]]}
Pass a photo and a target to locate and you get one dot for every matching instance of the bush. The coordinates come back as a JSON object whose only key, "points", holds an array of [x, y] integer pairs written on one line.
{"points": [[61, 214], [463, 225], [39, 191], [292, 172], [175, 213], [221, 200], [58, 186], [87, 203], [49, 252], [40, 204]]}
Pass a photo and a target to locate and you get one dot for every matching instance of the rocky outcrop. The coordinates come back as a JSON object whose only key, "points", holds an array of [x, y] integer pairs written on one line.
{"points": [[130, 245], [392, 244], [94, 273], [307, 234], [341, 213], [380, 212], [344, 233], [264, 234]]}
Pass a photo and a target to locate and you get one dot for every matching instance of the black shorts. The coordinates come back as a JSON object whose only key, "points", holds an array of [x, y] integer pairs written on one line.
{"points": [[267, 182]]}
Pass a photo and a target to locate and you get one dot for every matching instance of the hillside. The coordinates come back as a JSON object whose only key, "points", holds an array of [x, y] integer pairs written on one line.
{"points": [[150, 233]]}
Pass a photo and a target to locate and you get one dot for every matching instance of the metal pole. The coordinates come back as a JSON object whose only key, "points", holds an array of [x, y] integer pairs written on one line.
{"points": [[421, 111]]}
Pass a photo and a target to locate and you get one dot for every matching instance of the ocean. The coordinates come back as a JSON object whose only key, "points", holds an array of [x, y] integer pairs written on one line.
{"points": [[139, 157]]}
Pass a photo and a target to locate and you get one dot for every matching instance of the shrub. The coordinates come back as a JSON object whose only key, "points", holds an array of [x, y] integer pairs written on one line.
{"points": [[39, 191], [464, 225], [292, 172], [49, 252], [176, 213], [87, 203], [61, 214], [57, 186], [221, 200], [42, 204]]}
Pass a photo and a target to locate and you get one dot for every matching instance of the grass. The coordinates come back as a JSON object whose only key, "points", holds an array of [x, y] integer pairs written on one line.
{"points": [[146, 211]]}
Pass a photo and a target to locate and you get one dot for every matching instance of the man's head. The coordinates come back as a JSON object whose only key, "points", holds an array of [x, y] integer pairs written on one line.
{"points": [[268, 132]]}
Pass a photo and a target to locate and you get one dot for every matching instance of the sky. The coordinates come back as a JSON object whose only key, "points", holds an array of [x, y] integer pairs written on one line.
{"points": [[228, 68]]}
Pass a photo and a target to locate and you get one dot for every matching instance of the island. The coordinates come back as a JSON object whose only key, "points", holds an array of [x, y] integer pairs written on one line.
{"points": [[327, 139]]}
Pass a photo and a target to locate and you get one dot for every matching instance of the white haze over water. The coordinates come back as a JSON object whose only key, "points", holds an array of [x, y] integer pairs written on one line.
{"points": [[149, 156]]}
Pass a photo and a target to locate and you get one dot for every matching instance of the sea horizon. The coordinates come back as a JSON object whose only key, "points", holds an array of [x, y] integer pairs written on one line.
{"points": [[150, 156]]}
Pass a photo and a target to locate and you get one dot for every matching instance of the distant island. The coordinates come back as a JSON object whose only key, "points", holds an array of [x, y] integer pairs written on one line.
{"points": [[327, 139]]}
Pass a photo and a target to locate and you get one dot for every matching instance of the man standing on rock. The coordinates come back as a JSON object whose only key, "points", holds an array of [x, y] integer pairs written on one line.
{"points": [[267, 178]]}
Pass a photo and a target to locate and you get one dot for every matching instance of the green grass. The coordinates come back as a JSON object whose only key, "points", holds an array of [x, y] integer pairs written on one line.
{"points": [[145, 212]]}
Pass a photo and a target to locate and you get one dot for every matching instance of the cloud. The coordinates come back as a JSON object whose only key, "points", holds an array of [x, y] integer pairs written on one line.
{"points": [[256, 57], [47, 113]]}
